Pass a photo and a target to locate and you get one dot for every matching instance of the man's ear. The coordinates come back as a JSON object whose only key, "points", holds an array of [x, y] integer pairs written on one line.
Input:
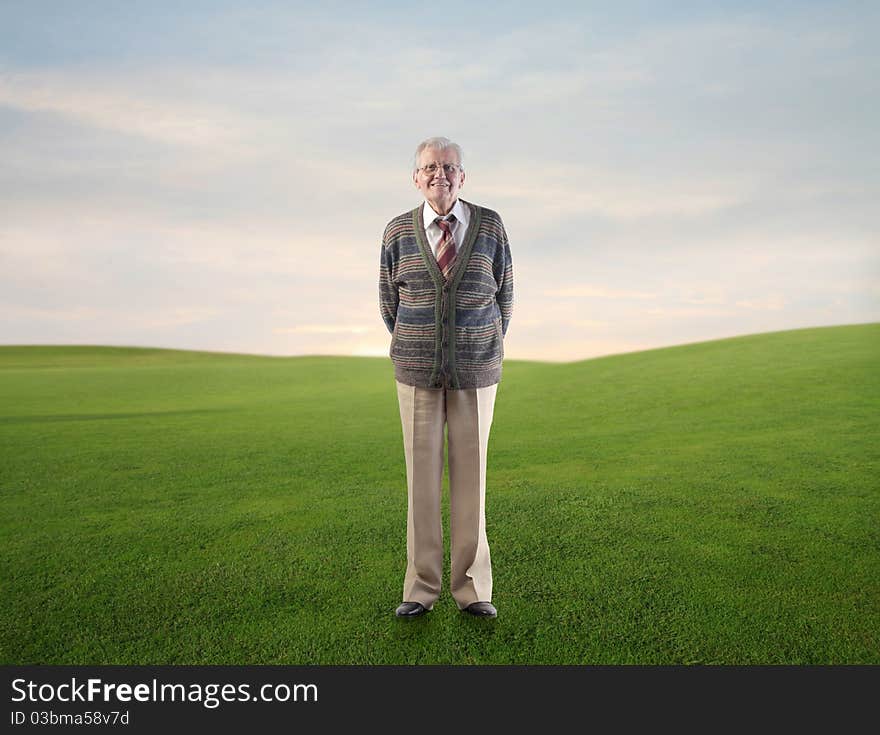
{"points": [[416, 179]]}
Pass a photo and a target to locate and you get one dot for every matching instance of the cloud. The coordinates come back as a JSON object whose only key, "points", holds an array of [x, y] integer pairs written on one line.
{"points": [[602, 292], [705, 294], [325, 329], [768, 303], [129, 104], [14, 312], [591, 191], [679, 312]]}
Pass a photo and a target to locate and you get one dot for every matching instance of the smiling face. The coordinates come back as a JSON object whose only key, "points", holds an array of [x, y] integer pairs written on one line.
{"points": [[439, 188]]}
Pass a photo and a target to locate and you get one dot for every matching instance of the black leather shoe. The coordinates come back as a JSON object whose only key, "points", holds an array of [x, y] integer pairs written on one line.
{"points": [[410, 610], [482, 609]]}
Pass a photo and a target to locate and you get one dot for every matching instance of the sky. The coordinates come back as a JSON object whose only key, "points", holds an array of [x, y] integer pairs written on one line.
{"points": [[217, 175]]}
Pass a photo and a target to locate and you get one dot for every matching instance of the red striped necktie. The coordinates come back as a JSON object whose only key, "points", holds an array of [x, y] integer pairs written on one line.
{"points": [[446, 247]]}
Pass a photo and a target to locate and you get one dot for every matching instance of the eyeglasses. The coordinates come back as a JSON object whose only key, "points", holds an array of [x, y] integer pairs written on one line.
{"points": [[433, 168]]}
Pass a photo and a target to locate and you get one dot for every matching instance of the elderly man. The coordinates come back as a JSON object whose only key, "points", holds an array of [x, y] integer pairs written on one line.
{"points": [[446, 296]]}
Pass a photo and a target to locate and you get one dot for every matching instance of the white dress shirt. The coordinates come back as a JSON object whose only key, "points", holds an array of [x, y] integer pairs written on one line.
{"points": [[459, 227]]}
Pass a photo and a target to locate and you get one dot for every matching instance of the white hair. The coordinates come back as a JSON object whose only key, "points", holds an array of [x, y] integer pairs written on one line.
{"points": [[441, 144]]}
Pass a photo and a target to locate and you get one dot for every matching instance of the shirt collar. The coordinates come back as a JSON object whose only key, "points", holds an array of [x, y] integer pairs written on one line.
{"points": [[458, 209]]}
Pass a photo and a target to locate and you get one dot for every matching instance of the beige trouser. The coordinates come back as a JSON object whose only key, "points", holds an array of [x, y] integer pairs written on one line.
{"points": [[467, 415]]}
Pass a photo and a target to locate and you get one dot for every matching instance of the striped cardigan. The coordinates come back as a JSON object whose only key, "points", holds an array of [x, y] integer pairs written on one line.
{"points": [[446, 334]]}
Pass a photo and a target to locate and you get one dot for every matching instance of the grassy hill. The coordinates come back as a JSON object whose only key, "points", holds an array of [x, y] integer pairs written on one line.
{"points": [[707, 503]]}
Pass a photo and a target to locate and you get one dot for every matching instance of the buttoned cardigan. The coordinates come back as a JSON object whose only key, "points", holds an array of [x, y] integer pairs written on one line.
{"points": [[446, 333]]}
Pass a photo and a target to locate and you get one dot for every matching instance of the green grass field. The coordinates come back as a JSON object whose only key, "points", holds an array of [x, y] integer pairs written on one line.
{"points": [[707, 503]]}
